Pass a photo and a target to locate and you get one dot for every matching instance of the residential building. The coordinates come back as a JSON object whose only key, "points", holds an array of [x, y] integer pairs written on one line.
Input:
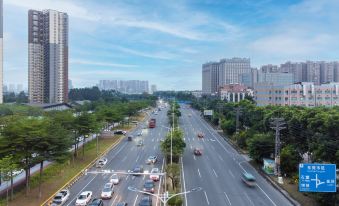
{"points": [[306, 94], [125, 86], [249, 79], [153, 88], [1, 51], [313, 72], [231, 69], [276, 78], [298, 69], [269, 68], [234, 92], [210, 77], [47, 56]]}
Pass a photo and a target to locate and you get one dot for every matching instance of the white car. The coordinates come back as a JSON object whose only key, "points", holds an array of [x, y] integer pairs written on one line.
{"points": [[154, 174], [114, 179], [107, 192], [101, 162], [151, 160], [84, 198], [60, 198]]}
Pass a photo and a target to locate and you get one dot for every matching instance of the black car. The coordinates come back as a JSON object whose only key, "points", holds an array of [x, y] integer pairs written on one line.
{"points": [[138, 169], [146, 201], [149, 186], [96, 202], [122, 204]]}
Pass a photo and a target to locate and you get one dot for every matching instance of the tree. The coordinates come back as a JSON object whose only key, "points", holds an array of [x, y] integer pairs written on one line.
{"points": [[53, 145], [228, 126], [260, 146], [86, 124], [178, 145], [7, 166], [173, 172], [290, 159]]}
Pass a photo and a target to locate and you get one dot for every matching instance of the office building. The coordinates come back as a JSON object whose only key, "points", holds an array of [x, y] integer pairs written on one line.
{"points": [[210, 77], [231, 69], [298, 69], [306, 94], [47, 56], [249, 79], [269, 68], [1, 51]]}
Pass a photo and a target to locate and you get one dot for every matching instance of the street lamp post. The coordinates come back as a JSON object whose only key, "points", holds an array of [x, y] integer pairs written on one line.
{"points": [[165, 198]]}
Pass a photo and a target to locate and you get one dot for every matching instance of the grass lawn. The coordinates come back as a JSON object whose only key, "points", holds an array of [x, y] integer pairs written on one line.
{"points": [[60, 172], [292, 189]]}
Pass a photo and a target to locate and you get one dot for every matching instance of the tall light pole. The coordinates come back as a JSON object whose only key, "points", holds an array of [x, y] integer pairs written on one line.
{"points": [[165, 198], [172, 130]]}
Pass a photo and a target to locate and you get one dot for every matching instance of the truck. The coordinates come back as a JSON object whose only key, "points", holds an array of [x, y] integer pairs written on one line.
{"points": [[151, 123]]}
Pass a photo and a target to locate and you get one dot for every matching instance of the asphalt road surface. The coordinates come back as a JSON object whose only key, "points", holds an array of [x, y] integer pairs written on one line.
{"points": [[219, 169], [124, 157]]}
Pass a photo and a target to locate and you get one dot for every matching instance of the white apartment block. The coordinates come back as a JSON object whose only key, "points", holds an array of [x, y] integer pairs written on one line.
{"points": [[305, 94]]}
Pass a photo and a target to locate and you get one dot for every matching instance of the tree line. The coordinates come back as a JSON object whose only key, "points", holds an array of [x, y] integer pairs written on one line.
{"points": [[309, 134], [30, 136]]}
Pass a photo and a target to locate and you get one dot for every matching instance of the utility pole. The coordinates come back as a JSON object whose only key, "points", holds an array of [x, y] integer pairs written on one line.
{"points": [[238, 113], [277, 125], [220, 107]]}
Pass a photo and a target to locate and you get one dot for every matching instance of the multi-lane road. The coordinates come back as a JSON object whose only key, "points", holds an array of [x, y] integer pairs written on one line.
{"points": [[125, 156], [217, 171]]}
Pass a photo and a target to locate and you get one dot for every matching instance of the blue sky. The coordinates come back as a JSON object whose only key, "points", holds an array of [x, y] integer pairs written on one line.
{"points": [[166, 41]]}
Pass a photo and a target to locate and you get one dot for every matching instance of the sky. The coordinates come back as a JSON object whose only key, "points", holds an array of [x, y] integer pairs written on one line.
{"points": [[167, 41]]}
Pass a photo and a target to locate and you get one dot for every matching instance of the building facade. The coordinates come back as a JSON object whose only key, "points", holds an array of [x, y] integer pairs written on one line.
{"points": [[47, 56], [125, 86], [306, 94], [210, 77], [231, 69], [276, 78], [234, 92], [1, 51], [153, 88]]}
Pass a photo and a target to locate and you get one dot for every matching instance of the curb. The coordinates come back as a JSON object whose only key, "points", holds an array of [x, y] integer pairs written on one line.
{"points": [[80, 174], [281, 190]]}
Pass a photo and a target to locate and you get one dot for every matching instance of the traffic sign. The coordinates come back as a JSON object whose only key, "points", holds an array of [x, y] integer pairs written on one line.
{"points": [[317, 178]]}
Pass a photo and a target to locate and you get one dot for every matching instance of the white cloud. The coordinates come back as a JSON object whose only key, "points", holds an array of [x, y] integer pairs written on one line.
{"points": [[105, 64]]}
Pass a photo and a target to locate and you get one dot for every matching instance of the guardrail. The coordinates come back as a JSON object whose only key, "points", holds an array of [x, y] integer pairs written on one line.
{"points": [[80, 174]]}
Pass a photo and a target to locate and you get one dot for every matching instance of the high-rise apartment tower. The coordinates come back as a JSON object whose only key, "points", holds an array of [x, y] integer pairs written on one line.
{"points": [[47, 56]]}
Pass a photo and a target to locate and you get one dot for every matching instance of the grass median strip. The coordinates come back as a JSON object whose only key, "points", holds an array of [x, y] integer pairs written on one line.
{"points": [[56, 175]]}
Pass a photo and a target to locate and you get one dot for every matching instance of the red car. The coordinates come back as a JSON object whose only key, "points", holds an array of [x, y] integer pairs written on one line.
{"points": [[197, 151]]}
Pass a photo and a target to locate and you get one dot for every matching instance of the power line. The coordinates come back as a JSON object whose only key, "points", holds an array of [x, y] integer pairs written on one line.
{"points": [[278, 124]]}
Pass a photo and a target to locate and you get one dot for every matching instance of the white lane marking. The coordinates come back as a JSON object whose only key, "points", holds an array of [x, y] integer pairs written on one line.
{"points": [[183, 177], [154, 147], [127, 177], [215, 173], [135, 201], [220, 157], [153, 140], [191, 147], [76, 196], [248, 198], [123, 159], [206, 198], [137, 159], [194, 157], [95, 176], [144, 177], [242, 166], [266, 195], [229, 171], [228, 199], [162, 169], [199, 173], [114, 200]]}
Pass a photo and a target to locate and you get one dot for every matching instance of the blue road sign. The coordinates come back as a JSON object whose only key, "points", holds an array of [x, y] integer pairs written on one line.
{"points": [[317, 178]]}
